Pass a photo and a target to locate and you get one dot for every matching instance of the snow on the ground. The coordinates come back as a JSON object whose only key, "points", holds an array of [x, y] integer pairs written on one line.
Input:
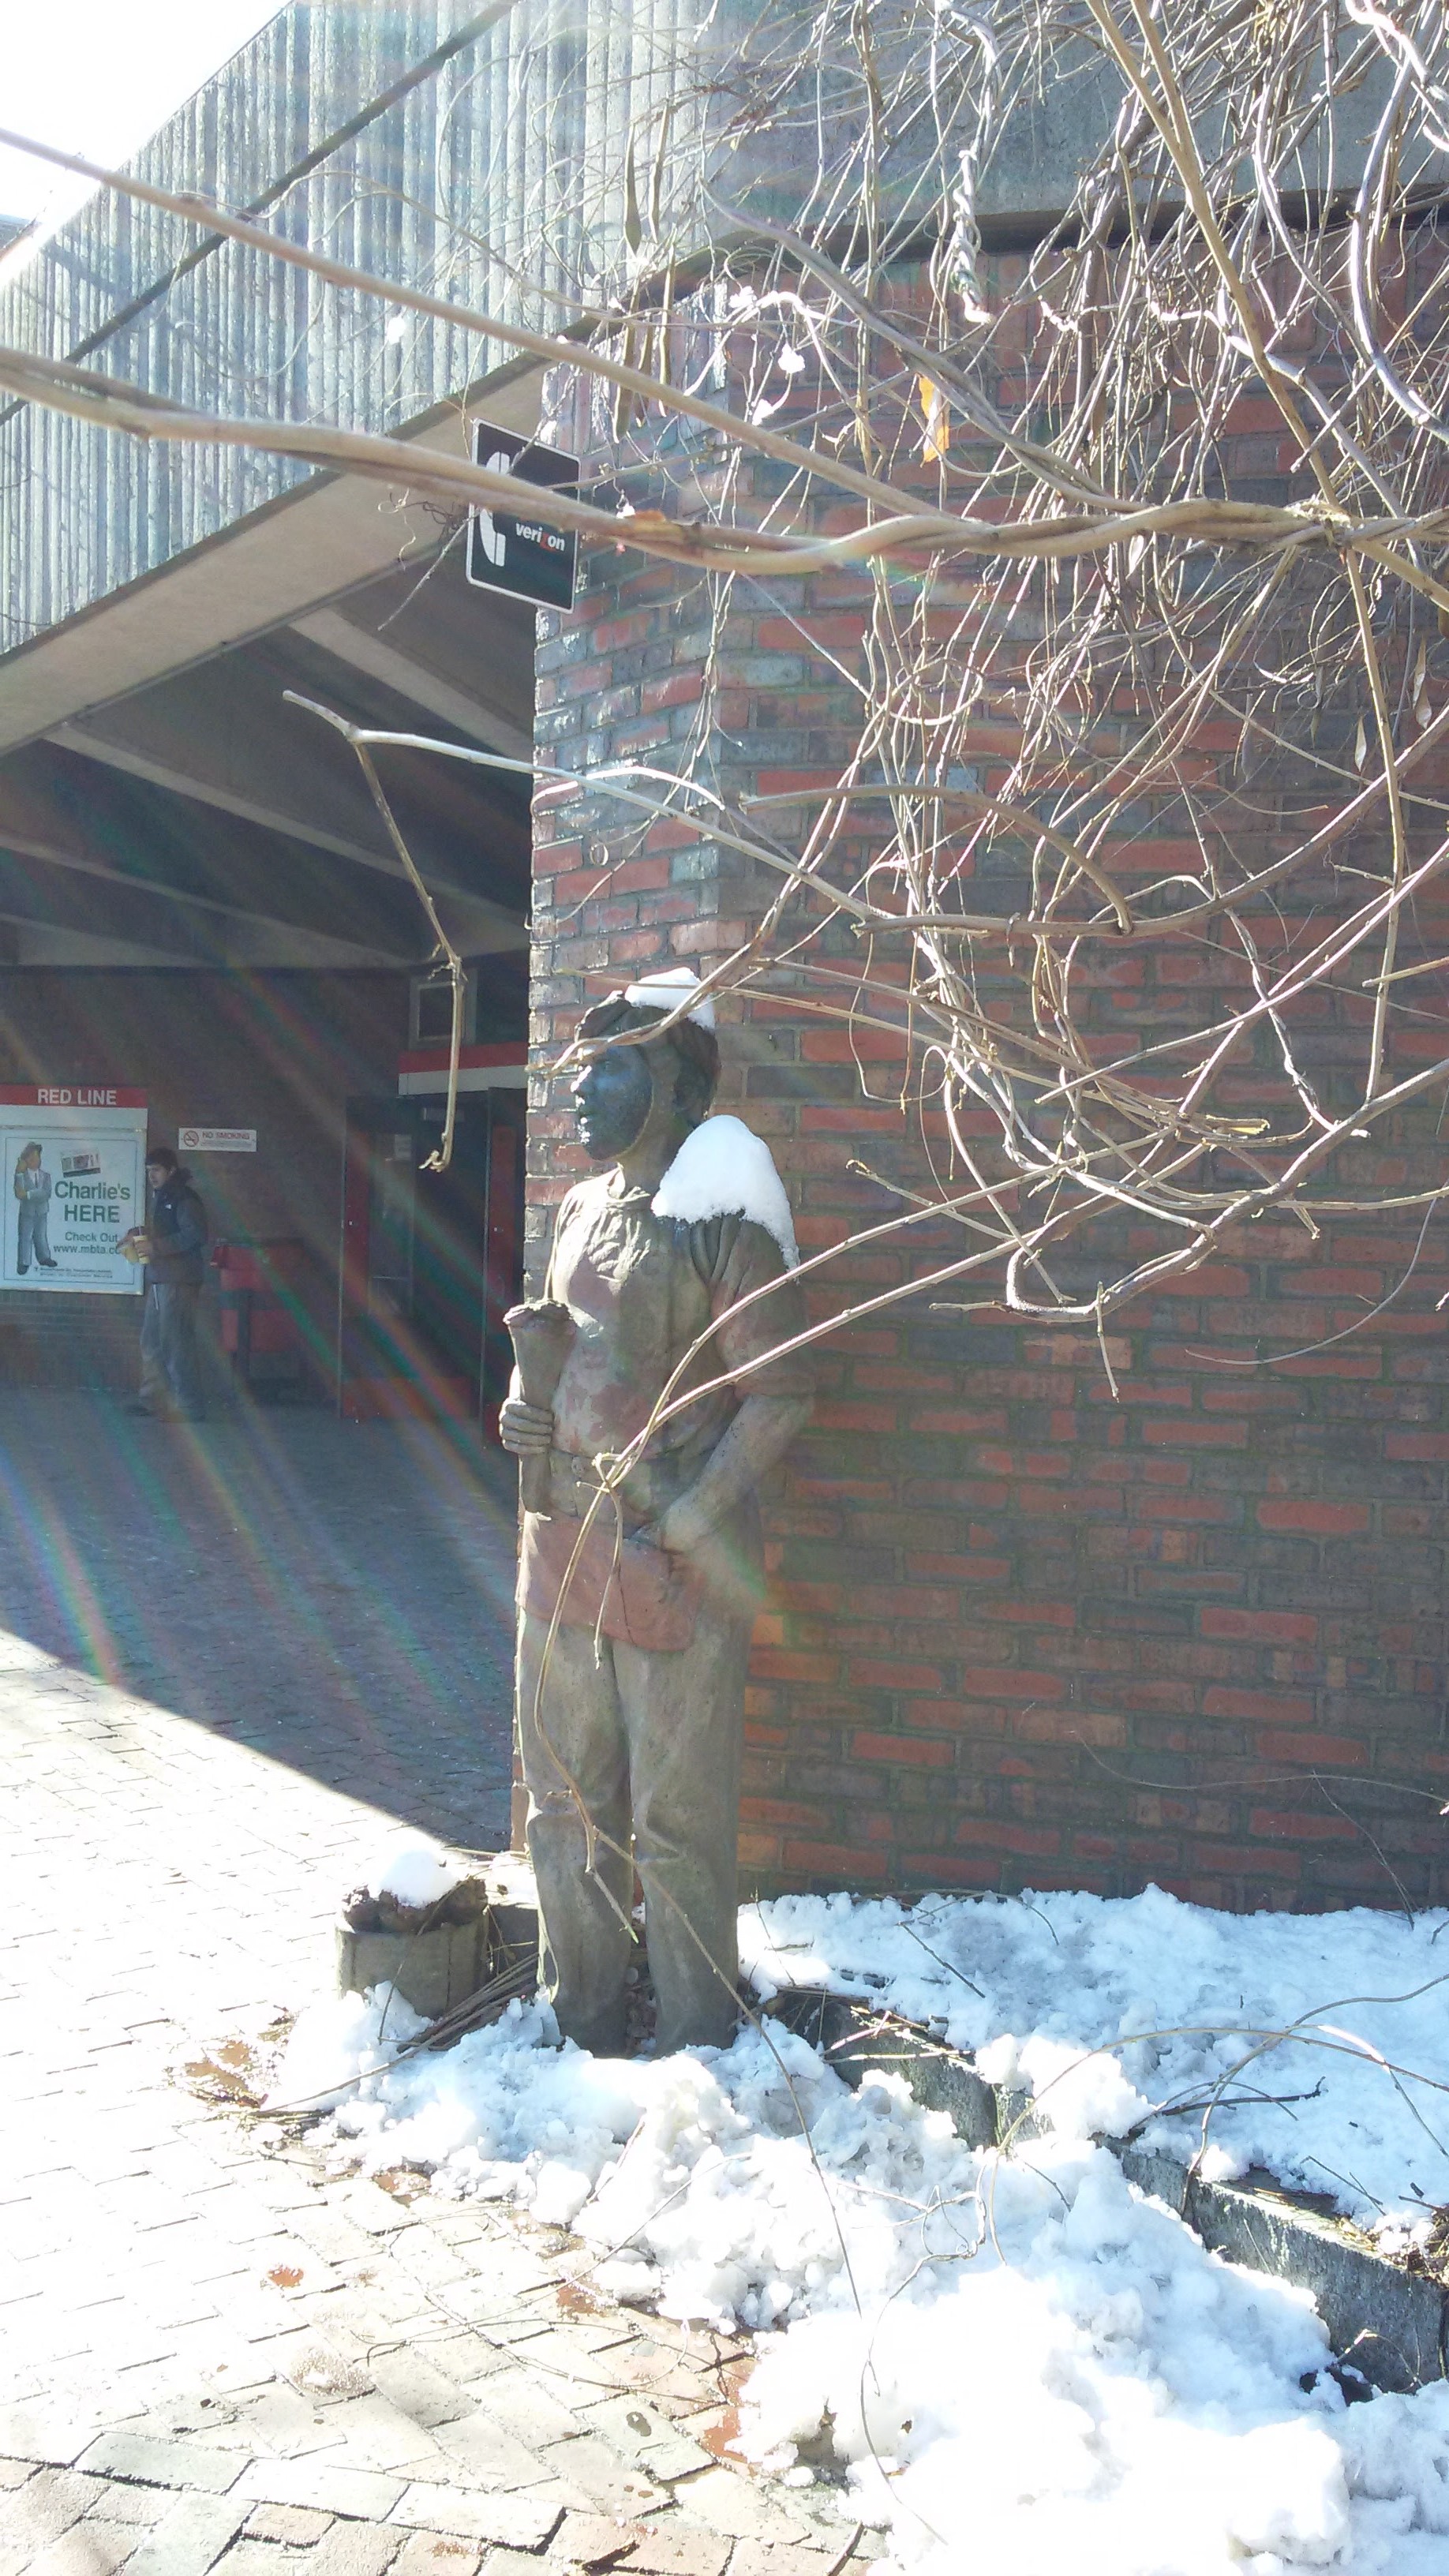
{"points": [[414, 1870], [1179, 2001], [1019, 2355], [724, 1169]]}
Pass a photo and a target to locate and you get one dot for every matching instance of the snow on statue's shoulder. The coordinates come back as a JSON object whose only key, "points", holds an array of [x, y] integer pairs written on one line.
{"points": [[724, 1169]]}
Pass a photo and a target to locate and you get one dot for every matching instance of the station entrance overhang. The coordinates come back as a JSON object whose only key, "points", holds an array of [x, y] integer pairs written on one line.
{"points": [[192, 869]]}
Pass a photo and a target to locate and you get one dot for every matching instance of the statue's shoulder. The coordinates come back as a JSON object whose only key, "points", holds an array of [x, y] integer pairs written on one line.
{"points": [[724, 1185], [587, 1200]]}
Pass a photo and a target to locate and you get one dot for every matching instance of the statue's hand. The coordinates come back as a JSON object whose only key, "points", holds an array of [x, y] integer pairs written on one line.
{"points": [[680, 1530], [526, 1430]]}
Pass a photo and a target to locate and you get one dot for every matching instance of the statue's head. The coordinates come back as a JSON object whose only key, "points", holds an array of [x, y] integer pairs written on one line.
{"points": [[627, 1095]]}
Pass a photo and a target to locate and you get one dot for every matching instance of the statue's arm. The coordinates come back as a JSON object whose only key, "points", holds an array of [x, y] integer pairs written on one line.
{"points": [[526, 1430], [744, 1258], [758, 1437]]}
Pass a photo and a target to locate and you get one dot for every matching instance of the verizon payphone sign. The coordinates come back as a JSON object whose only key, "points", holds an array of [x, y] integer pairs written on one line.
{"points": [[73, 1174], [523, 557]]}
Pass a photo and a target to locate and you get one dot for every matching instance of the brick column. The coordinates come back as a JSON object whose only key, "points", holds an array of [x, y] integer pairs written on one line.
{"points": [[1025, 1631]]}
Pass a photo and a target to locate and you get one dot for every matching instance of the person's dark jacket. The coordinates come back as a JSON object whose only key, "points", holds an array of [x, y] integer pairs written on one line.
{"points": [[178, 1235]]}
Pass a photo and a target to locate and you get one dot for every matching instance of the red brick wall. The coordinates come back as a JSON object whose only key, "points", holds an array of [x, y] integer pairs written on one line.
{"points": [[1024, 1633]]}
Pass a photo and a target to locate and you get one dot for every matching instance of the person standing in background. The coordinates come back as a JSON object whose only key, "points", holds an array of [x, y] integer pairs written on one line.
{"points": [[33, 1186], [175, 1239]]}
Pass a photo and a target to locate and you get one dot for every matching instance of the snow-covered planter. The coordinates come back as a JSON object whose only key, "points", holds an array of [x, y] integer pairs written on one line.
{"points": [[418, 1923]]}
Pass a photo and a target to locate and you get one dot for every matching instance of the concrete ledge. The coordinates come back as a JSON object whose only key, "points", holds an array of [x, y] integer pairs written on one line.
{"points": [[1390, 2325]]}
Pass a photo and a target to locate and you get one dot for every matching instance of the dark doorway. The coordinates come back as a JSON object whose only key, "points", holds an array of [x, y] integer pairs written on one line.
{"points": [[430, 1260]]}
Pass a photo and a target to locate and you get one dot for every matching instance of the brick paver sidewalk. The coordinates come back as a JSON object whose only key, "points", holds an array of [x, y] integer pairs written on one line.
{"points": [[212, 2355]]}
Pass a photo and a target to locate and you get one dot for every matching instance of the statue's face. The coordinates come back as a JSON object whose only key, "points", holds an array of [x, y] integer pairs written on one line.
{"points": [[612, 1099]]}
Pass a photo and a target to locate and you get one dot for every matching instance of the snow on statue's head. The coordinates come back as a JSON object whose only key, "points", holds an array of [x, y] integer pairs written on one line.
{"points": [[622, 1089]]}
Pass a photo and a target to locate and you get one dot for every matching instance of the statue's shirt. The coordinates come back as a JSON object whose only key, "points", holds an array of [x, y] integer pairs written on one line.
{"points": [[641, 1289]]}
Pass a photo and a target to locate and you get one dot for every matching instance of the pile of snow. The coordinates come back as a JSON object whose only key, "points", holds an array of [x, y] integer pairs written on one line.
{"points": [[1185, 2007], [1022, 2356], [724, 1169], [1091, 2391], [334, 2046], [415, 1871]]}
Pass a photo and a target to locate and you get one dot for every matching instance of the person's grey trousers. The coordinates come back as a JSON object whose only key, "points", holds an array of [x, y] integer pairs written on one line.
{"points": [[34, 1234], [659, 1733], [170, 1362]]}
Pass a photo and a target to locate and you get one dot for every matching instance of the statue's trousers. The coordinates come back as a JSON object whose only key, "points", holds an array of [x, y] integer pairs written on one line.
{"points": [[652, 1742]]}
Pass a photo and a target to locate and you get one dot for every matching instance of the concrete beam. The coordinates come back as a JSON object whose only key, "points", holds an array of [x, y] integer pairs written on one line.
{"points": [[348, 642], [86, 849], [134, 833], [480, 925], [90, 744], [266, 931], [223, 736], [277, 564], [185, 929], [30, 944]]}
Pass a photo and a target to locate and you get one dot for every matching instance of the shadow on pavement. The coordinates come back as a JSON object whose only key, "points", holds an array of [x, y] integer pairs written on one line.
{"points": [[336, 1595]]}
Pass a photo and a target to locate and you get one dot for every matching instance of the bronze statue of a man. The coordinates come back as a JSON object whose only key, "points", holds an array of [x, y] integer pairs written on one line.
{"points": [[642, 1695]]}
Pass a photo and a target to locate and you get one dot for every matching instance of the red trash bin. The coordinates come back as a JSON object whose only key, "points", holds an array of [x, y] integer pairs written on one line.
{"points": [[267, 1331]]}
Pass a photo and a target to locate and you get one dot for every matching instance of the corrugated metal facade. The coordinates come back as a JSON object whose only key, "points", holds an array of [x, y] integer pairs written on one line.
{"points": [[512, 145]]}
